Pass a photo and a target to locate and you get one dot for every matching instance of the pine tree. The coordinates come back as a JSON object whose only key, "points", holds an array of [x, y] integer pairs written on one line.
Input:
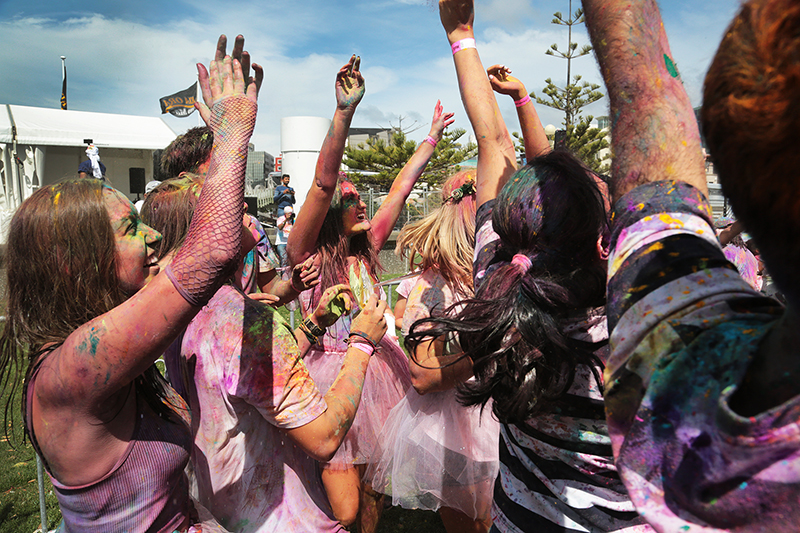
{"points": [[581, 138], [387, 159], [586, 142]]}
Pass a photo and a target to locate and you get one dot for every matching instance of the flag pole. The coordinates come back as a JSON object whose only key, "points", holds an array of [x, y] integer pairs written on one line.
{"points": [[199, 98], [64, 82]]}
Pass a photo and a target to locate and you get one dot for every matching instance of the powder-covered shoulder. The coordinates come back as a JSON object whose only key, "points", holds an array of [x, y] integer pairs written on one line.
{"points": [[430, 296], [270, 374]]}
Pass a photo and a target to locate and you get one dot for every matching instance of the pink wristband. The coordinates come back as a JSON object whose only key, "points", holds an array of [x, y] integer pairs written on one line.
{"points": [[430, 140], [522, 101], [363, 346], [463, 44]]}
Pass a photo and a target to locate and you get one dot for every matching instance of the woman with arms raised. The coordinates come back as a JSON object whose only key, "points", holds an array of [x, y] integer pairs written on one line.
{"points": [[333, 224], [113, 435]]}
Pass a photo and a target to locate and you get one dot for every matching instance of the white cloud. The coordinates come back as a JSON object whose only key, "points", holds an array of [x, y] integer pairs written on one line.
{"points": [[120, 64]]}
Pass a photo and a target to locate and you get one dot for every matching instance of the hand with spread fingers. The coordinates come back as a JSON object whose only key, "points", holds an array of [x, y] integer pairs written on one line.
{"points": [[225, 78], [349, 84], [440, 121]]}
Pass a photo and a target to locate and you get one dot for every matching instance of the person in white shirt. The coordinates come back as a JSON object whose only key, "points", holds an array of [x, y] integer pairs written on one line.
{"points": [[284, 224]]}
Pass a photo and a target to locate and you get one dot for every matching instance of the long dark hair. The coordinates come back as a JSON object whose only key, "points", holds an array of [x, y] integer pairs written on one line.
{"points": [[549, 217], [62, 272], [334, 247]]}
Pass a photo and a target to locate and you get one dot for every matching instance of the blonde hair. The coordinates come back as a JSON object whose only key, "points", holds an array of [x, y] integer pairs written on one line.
{"points": [[445, 239]]}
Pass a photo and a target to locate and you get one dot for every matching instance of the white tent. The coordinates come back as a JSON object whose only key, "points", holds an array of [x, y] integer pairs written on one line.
{"points": [[40, 146]]}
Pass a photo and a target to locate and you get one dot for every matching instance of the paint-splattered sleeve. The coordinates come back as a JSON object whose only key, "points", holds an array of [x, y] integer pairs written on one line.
{"points": [[684, 328], [271, 375]]}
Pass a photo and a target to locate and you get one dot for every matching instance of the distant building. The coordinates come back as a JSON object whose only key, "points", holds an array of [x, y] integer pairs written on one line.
{"points": [[259, 165], [361, 135]]}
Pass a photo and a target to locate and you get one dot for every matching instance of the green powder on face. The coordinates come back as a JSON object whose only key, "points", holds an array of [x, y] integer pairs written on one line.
{"points": [[671, 68]]}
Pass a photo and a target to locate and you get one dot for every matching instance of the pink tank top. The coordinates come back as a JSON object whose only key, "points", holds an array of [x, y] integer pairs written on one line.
{"points": [[145, 492]]}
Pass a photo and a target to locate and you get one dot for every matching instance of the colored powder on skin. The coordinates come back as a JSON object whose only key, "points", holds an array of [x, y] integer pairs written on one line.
{"points": [[339, 305], [95, 340], [671, 68]]}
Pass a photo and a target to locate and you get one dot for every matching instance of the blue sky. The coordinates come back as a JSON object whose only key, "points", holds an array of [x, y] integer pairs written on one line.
{"points": [[123, 56]]}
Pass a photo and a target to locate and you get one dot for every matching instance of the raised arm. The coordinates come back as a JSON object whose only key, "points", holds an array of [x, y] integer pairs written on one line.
{"points": [[533, 135], [496, 155], [384, 220], [654, 133], [277, 292], [321, 437], [349, 91], [107, 353]]}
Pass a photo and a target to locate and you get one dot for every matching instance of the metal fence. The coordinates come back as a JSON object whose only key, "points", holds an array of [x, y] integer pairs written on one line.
{"points": [[418, 205]]}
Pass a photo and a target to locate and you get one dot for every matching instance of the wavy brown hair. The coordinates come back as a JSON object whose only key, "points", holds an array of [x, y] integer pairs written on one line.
{"points": [[62, 272], [169, 209]]}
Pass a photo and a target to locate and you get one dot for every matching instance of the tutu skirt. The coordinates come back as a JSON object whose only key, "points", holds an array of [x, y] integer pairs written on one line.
{"points": [[434, 452], [385, 384]]}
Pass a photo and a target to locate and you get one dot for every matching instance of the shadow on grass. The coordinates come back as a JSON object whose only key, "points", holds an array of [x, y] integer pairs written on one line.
{"points": [[396, 519]]}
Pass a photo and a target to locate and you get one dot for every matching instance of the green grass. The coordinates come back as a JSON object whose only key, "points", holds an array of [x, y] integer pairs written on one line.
{"points": [[19, 493]]}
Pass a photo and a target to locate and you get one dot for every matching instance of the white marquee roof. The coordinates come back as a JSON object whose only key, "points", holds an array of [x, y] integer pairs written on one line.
{"points": [[40, 126]]}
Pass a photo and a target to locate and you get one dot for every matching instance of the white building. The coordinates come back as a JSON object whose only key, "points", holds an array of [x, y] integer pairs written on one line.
{"points": [[40, 146]]}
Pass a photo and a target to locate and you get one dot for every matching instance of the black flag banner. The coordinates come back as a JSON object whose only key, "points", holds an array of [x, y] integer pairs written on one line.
{"points": [[180, 104]]}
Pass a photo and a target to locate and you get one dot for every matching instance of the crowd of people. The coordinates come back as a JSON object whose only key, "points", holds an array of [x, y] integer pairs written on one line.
{"points": [[582, 353]]}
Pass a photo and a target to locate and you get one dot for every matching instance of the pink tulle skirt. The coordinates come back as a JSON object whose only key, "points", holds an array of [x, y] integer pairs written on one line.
{"points": [[385, 385], [434, 452]]}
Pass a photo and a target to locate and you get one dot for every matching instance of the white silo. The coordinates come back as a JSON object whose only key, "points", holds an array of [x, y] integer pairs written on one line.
{"points": [[301, 140]]}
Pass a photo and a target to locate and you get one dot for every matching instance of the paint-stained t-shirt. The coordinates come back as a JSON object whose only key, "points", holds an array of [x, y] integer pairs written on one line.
{"points": [[557, 470], [684, 328], [240, 368]]}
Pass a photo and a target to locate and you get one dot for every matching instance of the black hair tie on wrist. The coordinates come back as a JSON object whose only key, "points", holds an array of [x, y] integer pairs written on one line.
{"points": [[363, 336]]}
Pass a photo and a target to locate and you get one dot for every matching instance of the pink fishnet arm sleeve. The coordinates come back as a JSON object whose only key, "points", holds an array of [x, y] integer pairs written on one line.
{"points": [[211, 249]]}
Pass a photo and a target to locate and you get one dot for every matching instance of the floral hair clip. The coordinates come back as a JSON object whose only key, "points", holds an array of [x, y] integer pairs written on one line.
{"points": [[465, 190]]}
